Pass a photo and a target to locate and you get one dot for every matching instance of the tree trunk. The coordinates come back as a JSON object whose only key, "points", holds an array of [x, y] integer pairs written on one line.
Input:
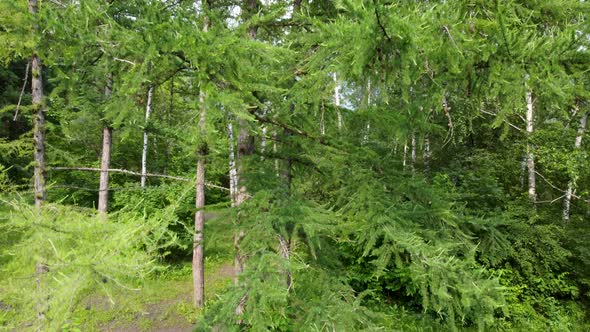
{"points": [[233, 174], [245, 149], [105, 160], [530, 155], [427, 154], [198, 261], [337, 101], [322, 119], [413, 152], [404, 162], [169, 122], [263, 137], [148, 112], [199, 236], [285, 251], [38, 121], [570, 187]]}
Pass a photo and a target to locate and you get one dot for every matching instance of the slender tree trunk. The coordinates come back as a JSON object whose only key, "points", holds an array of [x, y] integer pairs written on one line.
{"points": [[275, 150], [39, 157], [263, 138], [413, 152], [366, 136], [199, 236], [148, 112], [570, 187], [530, 155], [233, 174], [322, 120], [105, 160], [427, 154], [198, 257], [405, 154], [337, 101], [169, 122], [38, 121], [285, 251], [245, 149]]}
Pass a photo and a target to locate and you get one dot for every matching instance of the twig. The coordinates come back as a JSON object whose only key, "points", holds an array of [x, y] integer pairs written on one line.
{"points": [[446, 29], [551, 201], [549, 183], [510, 124], [123, 60], [451, 131], [22, 91]]}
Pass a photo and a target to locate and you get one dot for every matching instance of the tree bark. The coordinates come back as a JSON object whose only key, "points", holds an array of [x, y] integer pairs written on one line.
{"points": [[337, 101], [148, 112], [404, 162], [530, 155], [322, 119], [105, 160], [245, 149], [199, 236], [570, 187], [427, 154], [233, 174], [169, 122], [38, 121], [413, 152]]}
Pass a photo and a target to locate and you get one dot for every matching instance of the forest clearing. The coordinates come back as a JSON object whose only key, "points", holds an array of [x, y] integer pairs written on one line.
{"points": [[294, 165]]}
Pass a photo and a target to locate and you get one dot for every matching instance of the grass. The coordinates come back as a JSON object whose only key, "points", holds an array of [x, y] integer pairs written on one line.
{"points": [[161, 302], [164, 301]]}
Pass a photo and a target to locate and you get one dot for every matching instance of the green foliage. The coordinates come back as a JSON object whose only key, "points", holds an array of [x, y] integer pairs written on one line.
{"points": [[75, 252], [402, 207]]}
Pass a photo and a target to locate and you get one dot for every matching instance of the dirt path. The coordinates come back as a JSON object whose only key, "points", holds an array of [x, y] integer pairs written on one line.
{"points": [[172, 314]]}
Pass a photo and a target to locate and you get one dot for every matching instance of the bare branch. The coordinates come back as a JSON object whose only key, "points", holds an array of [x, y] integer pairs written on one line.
{"points": [[124, 171], [549, 183], [22, 91], [510, 124], [123, 60]]}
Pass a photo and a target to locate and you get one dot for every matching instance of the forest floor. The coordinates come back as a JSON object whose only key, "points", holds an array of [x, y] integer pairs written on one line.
{"points": [[162, 304]]}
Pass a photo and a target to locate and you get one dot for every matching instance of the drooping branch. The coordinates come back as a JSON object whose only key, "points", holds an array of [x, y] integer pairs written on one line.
{"points": [[379, 22]]}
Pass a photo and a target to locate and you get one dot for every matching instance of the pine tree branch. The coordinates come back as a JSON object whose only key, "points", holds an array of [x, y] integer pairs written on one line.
{"points": [[379, 22]]}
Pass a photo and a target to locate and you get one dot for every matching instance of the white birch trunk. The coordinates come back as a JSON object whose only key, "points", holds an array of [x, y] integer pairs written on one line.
{"points": [[148, 112], [413, 152], [530, 155], [366, 137], [337, 101], [233, 174], [570, 187], [405, 154]]}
